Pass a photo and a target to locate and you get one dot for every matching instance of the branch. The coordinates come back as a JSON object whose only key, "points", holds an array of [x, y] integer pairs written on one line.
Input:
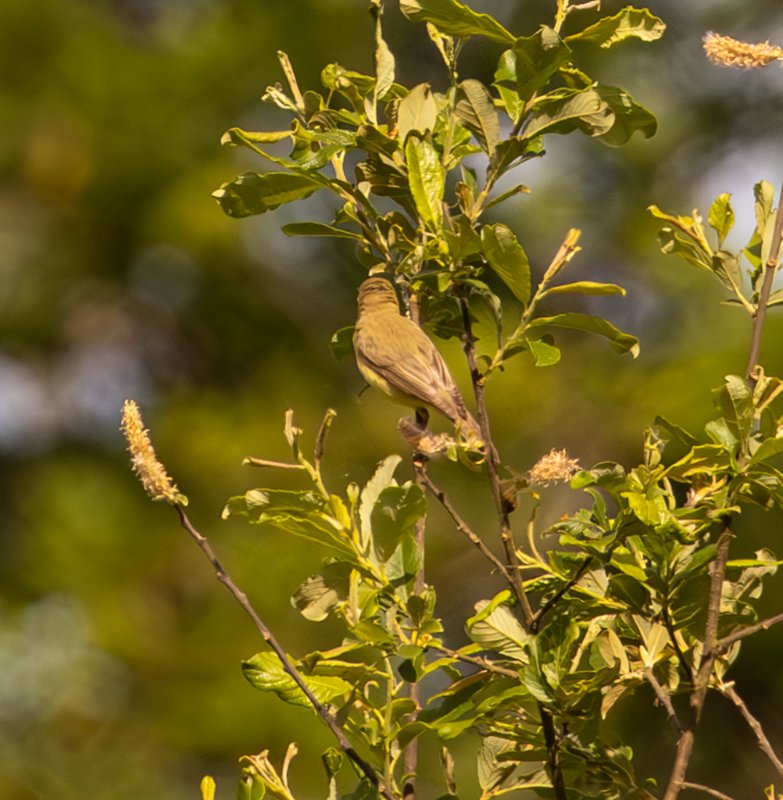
{"points": [[665, 701], [706, 789], [557, 596], [722, 645], [709, 654], [755, 726], [422, 476], [476, 661], [288, 666], [766, 287], [511, 571], [506, 536]]}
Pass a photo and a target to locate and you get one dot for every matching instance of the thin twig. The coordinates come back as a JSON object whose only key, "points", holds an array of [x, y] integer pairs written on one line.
{"points": [[411, 757], [723, 644], [665, 701], [766, 288], [557, 596], [459, 523], [506, 536], [755, 726], [476, 661], [288, 666], [702, 678], [684, 663], [511, 571], [697, 787]]}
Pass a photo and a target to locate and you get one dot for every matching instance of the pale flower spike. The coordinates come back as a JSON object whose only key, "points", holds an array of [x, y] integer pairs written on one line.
{"points": [[728, 52], [554, 467], [152, 474]]}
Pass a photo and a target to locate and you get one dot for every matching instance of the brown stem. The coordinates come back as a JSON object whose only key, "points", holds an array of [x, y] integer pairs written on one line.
{"points": [[288, 666], [511, 572], [766, 287], [665, 701], [755, 726], [702, 678], [697, 787], [476, 661], [723, 644], [411, 757], [423, 477], [557, 596]]}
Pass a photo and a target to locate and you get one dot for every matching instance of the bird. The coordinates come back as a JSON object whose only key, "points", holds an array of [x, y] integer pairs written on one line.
{"points": [[395, 355]]}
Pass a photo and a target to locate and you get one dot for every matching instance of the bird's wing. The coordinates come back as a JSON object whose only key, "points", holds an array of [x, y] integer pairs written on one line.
{"points": [[413, 367]]}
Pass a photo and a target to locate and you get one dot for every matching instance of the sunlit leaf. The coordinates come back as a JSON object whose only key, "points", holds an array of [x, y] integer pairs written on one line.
{"points": [[255, 193], [567, 110], [495, 626], [585, 287], [529, 65], [621, 342], [477, 112], [417, 111], [508, 259], [630, 22], [426, 178], [456, 19], [721, 216], [265, 671]]}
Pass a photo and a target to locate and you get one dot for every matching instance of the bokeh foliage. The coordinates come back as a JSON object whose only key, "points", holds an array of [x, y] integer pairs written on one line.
{"points": [[121, 277]]}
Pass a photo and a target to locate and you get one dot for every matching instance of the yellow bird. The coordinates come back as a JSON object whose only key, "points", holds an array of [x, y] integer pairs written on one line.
{"points": [[395, 355]]}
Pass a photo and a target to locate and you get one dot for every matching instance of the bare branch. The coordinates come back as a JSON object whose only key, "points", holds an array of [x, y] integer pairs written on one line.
{"points": [[288, 666], [702, 678], [665, 701], [723, 644], [462, 526], [730, 692], [707, 790]]}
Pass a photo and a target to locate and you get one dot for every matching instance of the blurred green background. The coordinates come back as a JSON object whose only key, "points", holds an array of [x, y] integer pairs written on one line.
{"points": [[120, 277]]}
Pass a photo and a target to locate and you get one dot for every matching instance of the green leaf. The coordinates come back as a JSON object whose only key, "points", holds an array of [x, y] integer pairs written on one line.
{"points": [[426, 178], [630, 22], [585, 287], [764, 209], [629, 116], [456, 19], [318, 229], [508, 259], [704, 459], [341, 343], [382, 478], [242, 138], [299, 513], [320, 594], [621, 342], [255, 193], [417, 112], [676, 431], [395, 514], [384, 62], [529, 65], [567, 110], [495, 627], [721, 216], [735, 401], [477, 113], [265, 672], [769, 448], [544, 353]]}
